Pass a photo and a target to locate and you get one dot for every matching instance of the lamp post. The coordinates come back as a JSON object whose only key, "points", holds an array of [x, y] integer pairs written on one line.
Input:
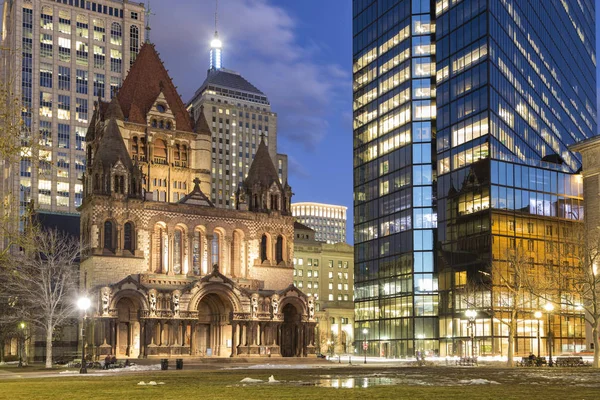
{"points": [[538, 316], [365, 345], [21, 343], [83, 304], [550, 307], [472, 314]]}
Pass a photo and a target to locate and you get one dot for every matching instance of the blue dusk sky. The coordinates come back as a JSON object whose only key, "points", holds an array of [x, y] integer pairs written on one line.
{"points": [[299, 53]]}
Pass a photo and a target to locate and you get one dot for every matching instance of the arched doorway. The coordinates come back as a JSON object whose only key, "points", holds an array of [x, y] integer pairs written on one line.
{"points": [[213, 331], [290, 331], [128, 328]]}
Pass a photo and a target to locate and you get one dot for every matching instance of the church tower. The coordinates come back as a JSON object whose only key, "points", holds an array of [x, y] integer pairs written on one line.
{"points": [[262, 191]]}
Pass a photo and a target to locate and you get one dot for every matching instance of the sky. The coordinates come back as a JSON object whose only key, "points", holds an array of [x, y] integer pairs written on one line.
{"points": [[299, 53]]}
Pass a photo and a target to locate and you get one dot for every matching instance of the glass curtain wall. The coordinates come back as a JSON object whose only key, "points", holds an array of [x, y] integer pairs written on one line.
{"points": [[396, 301]]}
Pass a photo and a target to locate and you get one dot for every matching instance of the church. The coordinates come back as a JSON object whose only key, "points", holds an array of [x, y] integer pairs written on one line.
{"points": [[169, 274]]}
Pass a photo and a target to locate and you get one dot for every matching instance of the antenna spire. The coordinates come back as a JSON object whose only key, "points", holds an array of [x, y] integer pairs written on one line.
{"points": [[148, 13], [216, 17], [216, 55]]}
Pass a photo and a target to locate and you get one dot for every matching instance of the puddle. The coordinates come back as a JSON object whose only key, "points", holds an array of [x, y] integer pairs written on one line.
{"points": [[349, 383]]}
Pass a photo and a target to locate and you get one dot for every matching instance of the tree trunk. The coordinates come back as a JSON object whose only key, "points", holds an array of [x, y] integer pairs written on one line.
{"points": [[48, 348], [2, 344], [596, 363], [512, 328]]}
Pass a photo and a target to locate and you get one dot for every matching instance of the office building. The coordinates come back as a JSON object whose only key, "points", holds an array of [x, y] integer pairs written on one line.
{"points": [[60, 57], [239, 115], [463, 111], [328, 221], [324, 272]]}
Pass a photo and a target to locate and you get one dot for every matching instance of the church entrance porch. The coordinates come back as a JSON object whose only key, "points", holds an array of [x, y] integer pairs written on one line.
{"points": [[213, 330]]}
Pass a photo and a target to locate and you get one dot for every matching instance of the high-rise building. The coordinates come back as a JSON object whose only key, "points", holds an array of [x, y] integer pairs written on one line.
{"points": [[59, 58], [239, 115], [328, 221], [463, 111]]}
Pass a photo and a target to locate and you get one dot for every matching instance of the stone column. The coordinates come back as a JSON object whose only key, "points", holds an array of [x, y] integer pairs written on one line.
{"points": [[227, 255], [165, 252], [171, 255], [142, 351], [119, 249], [192, 335], [234, 339]]}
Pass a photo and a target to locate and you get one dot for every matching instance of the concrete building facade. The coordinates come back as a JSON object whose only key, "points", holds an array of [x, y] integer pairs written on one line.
{"points": [[324, 272], [59, 58], [328, 220]]}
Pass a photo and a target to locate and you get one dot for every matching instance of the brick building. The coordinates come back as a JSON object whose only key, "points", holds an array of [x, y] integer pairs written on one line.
{"points": [[169, 273]]}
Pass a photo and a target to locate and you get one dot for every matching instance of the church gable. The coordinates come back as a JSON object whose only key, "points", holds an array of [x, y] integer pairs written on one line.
{"points": [[197, 197]]}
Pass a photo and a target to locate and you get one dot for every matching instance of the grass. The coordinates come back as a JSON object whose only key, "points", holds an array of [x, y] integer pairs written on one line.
{"points": [[412, 383]]}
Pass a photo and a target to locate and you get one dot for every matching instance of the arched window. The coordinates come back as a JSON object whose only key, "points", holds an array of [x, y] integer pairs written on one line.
{"points": [[215, 249], [143, 149], [184, 154], [196, 260], [264, 243], [279, 249], [109, 236], [168, 125], [128, 233], [99, 30], [116, 34], [134, 148], [154, 123], [96, 182], [161, 124], [177, 251], [274, 202], [177, 152], [134, 43], [160, 151]]}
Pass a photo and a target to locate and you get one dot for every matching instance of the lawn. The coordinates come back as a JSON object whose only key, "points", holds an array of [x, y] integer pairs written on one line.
{"points": [[383, 383]]}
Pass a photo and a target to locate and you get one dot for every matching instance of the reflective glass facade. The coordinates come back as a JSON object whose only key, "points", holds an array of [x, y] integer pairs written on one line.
{"points": [[505, 100]]}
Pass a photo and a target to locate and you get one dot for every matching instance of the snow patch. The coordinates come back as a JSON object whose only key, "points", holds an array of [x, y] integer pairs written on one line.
{"points": [[134, 368], [478, 382], [273, 380], [68, 372], [251, 380]]}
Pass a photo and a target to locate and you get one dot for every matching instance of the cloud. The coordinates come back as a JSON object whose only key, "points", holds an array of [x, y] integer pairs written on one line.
{"points": [[261, 42], [297, 169]]}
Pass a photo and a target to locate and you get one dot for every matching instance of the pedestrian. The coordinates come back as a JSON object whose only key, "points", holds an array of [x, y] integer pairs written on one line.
{"points": [[113, 360], [107, 361]]}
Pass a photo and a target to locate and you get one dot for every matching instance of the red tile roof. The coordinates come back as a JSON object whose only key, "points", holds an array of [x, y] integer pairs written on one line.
{"points": [[145, 80]]}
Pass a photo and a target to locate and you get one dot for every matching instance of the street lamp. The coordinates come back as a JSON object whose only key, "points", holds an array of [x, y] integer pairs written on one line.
{"points": [[550, 307], [538, 316], [83, 304], [21, 343], [365, 344], [472, 314]]}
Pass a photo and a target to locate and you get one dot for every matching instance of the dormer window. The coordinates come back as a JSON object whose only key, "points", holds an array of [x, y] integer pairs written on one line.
{"points": [[161, 108]]}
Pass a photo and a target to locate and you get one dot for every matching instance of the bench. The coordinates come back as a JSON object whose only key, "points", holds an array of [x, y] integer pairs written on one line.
{"points": [[569, 362], [532, 362], [467, 361]]}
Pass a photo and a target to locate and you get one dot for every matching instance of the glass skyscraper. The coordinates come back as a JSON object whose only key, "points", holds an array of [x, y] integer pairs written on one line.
{"points": [[463, 111]]}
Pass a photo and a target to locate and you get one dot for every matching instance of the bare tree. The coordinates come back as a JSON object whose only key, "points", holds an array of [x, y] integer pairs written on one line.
{"points": [[44, 280], [574, 282], [505, 293]]}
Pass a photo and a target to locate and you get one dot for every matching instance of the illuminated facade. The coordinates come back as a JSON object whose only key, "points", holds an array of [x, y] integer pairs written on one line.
{"points": [[491, 176], [328, 221], [324, 272], [239, 115], [61, 58]]}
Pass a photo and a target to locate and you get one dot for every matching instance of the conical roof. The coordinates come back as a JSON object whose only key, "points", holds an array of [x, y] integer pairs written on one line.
{"points": [[201, 125], [145, 80], [90, 134], [114, 110], [112, 147], [262, 171]]}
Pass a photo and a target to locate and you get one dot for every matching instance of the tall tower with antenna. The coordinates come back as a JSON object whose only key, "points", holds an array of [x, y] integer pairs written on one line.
{"points": [[216, 52]]}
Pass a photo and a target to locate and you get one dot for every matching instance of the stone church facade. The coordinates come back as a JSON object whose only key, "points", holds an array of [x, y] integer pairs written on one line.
{"points": [[170, 274]]}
